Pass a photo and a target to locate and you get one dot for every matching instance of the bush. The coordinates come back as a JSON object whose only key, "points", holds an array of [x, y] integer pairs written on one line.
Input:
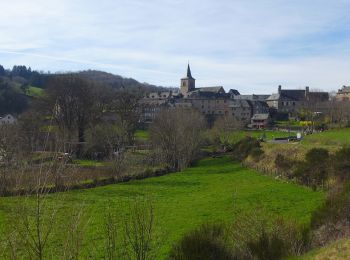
{"points": [[341, 164], [206, 242], [332, 220], [245, 147], [250, 237], [335, 208], [314, 170], [267, 246], [285, 166]]}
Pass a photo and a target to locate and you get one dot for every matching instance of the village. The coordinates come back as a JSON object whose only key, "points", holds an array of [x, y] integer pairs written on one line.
{"points": [[175, 130]]}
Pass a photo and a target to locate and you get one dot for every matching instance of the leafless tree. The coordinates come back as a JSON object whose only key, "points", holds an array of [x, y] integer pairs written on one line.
{"points": [[111, 235], [126, 106], [140, 240], [224, 127], [176, 136], [77, 104]]}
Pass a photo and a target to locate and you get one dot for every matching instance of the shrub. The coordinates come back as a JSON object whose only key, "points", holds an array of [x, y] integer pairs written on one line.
{"points": [[335, 208], [260, 236], [285, 166], [332, 220], [251, 236], [267, 246], [314, 170], [245, 147], [206, 242], [341, 163]]}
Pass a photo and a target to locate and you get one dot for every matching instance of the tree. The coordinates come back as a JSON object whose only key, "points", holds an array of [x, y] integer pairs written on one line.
{"points": [[11, 101], [224, 128], [139, 230], [176, 136], [2, 71], [77, 103], [126, 106]]}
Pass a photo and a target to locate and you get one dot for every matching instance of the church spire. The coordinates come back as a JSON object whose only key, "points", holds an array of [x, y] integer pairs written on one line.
{"points": [[189, 75]]}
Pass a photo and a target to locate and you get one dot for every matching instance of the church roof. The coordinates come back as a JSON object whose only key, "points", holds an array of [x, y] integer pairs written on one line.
{"points": [[188, 74], [216, 89]]}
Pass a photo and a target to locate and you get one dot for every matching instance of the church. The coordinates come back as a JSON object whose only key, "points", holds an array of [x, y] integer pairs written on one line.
{"points": [[188, 86], [212, 102]]}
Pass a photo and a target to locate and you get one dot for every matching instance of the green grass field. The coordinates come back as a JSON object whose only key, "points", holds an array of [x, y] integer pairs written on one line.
{"points": [[269, 135], [334, 137], [214, 190], [35, 92], [142, 134], [338, 250]]}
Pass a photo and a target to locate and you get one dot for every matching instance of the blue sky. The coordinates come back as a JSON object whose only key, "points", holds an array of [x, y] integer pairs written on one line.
{"points": [[250, 45]]}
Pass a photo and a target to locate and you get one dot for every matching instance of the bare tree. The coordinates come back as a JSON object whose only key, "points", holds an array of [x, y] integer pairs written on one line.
{"points": [[77, 104], [224, 127], [176, 136], [111, 234], [126, 106], [140, 240]]}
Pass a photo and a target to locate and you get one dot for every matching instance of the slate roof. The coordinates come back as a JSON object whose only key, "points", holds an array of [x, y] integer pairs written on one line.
{"points": [[201, 93], [215, 89], [260, 116], [234, 92], [188, 74], [259, 97], [344, 89], [293, 94]]}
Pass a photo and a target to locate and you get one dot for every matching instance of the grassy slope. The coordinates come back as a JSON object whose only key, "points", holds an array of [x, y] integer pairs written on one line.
{"points": [[211, 191], [335, 137], [338, 250], [269, 135], [34, 92]]}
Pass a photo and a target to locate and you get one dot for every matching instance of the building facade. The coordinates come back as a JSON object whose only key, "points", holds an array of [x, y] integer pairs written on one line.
{"points": [[343, 94], [291, 100], [211, 102]]}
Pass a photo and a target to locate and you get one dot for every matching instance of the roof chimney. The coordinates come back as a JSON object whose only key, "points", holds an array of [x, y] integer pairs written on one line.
{"points": [[307, 91], [279, 89]]}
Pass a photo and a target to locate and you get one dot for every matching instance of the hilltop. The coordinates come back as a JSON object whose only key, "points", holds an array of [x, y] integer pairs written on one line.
{"points": [[20, 85]]}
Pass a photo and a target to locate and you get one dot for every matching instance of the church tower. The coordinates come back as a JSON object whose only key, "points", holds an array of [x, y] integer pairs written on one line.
{"points": [[188, 83]]}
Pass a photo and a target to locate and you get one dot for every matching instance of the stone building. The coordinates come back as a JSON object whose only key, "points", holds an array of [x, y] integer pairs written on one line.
{"points": [[211, 102], [343, 94], [291, 100], [7, 120]]}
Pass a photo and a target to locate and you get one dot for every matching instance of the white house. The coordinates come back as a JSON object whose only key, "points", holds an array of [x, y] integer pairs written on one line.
{"points": [[7, 120]]}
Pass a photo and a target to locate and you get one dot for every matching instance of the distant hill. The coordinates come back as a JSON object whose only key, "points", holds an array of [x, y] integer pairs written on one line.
{"points": [[21, 84], [119, 82]]}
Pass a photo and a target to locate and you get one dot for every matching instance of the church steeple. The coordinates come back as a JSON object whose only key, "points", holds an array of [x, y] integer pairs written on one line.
{"points": [[188, 83], [189, 75]]}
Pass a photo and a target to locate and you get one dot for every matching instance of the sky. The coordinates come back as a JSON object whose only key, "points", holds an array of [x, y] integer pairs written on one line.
{"points": [[249, 45]]}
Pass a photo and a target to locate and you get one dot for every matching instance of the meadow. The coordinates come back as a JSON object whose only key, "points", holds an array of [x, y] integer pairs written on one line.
{"points": [[334, 137], [216, 189]]}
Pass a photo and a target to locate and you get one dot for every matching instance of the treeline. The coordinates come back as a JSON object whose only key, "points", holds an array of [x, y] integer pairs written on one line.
{"points": [[25, 75], [15, 85]]}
